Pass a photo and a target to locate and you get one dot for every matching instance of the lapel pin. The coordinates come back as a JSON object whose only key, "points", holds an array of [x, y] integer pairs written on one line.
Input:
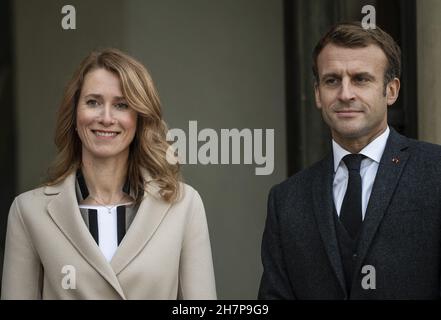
{"points": [[395, 160]]}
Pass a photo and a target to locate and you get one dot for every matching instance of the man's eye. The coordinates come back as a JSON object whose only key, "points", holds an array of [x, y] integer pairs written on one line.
{"points": [[121, 106], [331, 81], [92, 102], [361, 79]]}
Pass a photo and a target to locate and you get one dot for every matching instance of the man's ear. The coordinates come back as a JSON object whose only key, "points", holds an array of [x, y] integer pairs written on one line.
{"points": [[392, 91], [318, 102]]}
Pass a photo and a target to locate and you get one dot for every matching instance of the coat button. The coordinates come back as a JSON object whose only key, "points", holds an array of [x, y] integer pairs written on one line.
{"points": [[354, 256]]}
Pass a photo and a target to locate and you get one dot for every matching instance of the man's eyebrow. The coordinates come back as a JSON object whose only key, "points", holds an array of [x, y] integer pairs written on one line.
{"points": [[355, 74], [364, 74], [331, 75]]}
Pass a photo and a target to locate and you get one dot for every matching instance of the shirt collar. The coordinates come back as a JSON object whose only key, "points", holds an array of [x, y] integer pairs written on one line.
{"points": [[82, 192], [373, 150]]}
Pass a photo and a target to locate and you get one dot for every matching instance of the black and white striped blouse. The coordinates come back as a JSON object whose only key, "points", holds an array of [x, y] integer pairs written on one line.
{"points": [[108, 229]]}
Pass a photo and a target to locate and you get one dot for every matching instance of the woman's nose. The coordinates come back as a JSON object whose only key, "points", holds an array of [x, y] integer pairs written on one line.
{"points": [[107, 118]]}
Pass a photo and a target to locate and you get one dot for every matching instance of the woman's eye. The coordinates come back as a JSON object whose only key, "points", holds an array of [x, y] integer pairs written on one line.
{"points": [[92, 102], [121, 106]]}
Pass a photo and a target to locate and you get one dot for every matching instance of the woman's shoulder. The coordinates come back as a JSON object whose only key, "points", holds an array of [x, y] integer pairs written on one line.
{"points": [[190, 201], [186, 187], [46, 191], [187, 192], [34, 200], [32, 195]]}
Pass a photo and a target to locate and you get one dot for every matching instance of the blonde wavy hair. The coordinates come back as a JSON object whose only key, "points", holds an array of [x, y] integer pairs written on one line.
{"points": [[149, 147]]}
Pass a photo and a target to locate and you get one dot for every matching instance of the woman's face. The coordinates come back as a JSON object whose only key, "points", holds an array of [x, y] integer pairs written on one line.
{"points": [[106, 124]]}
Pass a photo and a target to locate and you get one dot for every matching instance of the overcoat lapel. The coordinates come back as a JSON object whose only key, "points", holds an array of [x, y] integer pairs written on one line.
{"points": [[151, 212], [391, 166], [324, 210], [65, 213]]}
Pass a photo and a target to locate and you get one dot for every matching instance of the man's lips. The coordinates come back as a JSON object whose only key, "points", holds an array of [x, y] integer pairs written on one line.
{"points": [[347, 113], [347, 110]]}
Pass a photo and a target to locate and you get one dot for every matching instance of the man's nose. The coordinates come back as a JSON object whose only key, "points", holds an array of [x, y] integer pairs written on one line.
{"points": [[346, 91]]}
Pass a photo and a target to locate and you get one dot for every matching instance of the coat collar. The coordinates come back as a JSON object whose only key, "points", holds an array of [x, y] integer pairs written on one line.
{"points": [[64, 211]]}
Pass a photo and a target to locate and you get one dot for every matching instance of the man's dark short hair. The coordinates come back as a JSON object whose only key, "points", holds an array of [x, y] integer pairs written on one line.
{"points": [[353, 35]]}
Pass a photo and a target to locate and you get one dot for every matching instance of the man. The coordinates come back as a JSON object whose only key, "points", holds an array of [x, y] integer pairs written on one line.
{"points": [[365, 222]]}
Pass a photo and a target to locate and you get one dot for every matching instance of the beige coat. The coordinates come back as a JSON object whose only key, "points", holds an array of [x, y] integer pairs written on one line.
{"points": [[50, 253]]}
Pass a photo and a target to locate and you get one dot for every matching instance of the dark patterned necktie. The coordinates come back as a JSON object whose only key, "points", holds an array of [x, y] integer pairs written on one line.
{"points": [[350, 212]]}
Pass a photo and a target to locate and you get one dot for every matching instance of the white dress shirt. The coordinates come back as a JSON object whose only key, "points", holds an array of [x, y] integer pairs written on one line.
{"points": [[107, 229], [368, 170]]}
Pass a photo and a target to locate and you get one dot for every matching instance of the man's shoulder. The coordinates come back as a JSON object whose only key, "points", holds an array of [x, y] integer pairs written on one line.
{"points": [[425, 149], [412, 146], [424, 158]]}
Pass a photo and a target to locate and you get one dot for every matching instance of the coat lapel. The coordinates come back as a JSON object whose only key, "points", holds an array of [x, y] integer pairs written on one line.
{"points": [[151, 212], [65, 213], [324, 211], [391, 166]]}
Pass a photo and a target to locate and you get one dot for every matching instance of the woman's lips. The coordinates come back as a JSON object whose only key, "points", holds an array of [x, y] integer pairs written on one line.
{"points": [[105, 134]]}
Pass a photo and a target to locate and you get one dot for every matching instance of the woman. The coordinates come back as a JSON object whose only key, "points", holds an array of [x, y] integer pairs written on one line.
{"points": [[113, 220]]}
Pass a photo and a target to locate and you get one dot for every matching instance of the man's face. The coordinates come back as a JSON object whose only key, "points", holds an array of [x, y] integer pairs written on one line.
{"points": [[350, 92]]}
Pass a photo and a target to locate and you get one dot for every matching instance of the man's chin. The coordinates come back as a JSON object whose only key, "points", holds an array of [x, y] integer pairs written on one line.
{"points": [[351, 132]]}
